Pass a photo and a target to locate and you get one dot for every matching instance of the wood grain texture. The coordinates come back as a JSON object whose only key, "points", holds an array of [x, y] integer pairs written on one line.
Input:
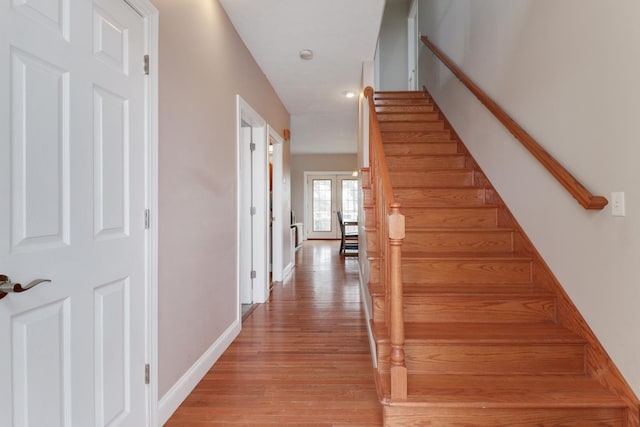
{"points": [[417, 136], [479, 300], [302, 358], [449, 147], [417, 162]]}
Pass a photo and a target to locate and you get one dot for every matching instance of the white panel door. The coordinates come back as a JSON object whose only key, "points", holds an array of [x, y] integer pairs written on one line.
{"points": [[72, 182]]}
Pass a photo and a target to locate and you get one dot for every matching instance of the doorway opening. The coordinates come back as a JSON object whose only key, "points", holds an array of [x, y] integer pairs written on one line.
{"points": [[326, 193], [412, 39], [253, 209]]}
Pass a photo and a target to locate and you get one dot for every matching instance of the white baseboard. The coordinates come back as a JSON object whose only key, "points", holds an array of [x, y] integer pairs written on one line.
{"points": [[287, 271], [367, 312], [185, 385]]}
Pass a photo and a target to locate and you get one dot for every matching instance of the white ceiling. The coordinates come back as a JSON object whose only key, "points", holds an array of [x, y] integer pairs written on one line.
{"points": [[341, 33]]}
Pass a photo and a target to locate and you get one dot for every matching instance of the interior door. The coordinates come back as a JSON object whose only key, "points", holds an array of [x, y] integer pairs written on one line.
{"points": [[72, 182], [327, 194], [247, 214]]}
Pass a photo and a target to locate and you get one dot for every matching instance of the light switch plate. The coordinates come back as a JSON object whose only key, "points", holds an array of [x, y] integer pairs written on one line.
{"points": [[617, 203]]}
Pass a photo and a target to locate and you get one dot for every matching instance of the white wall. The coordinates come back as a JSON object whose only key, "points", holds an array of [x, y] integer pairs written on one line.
{"points": [[393, 46], [203, 64], [567, 71]]}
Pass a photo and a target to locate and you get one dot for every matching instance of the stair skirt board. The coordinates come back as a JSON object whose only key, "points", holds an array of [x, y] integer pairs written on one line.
{"points": [[491, 336]]}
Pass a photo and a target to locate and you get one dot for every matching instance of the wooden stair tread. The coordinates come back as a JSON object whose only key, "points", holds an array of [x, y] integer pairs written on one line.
{"points": [[482, 256], [464, 289], [485, 333], [459, 229], [491, 391], [453, 208]]}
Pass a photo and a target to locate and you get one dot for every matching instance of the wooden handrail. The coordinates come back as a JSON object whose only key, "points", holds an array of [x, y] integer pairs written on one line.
{"points": [[573, 186], [389, 237]]}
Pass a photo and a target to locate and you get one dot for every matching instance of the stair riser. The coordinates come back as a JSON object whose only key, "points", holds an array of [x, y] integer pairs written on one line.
{"points": [[490, 359], [409, 117], [437, 178], [406, 137], [403, 101], [410, 126], [399, 163], [449, 217], [440, 196], [405, 109], [400, 95], [458, 241], [484, 309], [421, 148], [397, 416], [465, 309], [466, 271]]}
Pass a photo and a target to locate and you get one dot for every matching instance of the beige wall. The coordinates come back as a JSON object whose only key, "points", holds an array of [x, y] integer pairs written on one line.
{"points": [[393, 46], [568, 72], [203, 65], [301, 163]]}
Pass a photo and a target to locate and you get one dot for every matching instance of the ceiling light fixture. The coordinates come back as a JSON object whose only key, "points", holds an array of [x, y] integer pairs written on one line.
{"points": [[349, 94], [306, 54]]}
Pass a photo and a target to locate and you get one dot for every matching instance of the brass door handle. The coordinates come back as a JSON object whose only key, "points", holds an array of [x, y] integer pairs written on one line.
{"points": [[7, 286]]}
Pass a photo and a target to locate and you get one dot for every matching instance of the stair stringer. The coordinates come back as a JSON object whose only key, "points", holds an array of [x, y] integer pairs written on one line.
{"points": [[598, 363]]}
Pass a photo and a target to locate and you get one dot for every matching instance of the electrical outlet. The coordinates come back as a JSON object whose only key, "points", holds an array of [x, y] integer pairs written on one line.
{"points": [[617, 203]]}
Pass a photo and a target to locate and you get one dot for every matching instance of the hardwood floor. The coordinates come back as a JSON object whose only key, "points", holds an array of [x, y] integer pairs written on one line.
{"points": [[301, 359]]}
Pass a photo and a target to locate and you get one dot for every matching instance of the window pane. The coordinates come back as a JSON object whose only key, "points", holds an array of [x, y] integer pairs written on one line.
{"points": [[350, 203], [321, 205]]}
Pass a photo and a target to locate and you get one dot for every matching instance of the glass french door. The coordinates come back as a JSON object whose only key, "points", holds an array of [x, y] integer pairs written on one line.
{"points": [[326, 195]]}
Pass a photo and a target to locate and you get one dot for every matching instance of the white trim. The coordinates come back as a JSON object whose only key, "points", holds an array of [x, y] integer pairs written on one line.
{"points": [[260, 186], [372, 342], [277, 227], [185, 385], [307, 213], [412, 45], [287, 270], [150, 17]]}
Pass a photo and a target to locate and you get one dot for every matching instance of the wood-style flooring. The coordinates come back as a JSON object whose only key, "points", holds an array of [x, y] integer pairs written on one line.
{"points": [[302, 358]]}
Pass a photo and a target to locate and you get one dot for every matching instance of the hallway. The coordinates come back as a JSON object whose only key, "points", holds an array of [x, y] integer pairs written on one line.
{"points": [[301, 359]]}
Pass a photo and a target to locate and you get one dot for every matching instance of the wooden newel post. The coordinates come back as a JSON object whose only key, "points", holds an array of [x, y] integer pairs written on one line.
{"points": [[398, 367]]}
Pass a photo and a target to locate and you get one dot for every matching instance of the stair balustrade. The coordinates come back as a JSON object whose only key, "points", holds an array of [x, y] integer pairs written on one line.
{"points": [[390, 231], [568, 181]]}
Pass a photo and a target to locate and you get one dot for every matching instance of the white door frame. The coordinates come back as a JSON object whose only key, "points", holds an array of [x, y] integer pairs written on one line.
{"points": [[307, 211], [278, 224], [245, 113], [150, 15], [412, 45]]}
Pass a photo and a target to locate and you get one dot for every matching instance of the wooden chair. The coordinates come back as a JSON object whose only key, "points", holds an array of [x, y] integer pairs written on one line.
{"points": [[348, 241]]}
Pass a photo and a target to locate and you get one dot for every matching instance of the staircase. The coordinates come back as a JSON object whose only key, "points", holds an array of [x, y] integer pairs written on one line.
{"points": [[490, 336]]}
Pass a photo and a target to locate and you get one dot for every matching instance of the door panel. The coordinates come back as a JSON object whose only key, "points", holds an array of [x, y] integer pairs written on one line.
{"points": [[72, 168]]}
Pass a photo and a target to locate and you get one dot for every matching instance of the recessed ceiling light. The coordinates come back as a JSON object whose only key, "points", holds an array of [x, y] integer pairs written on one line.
{"points": [[349, 94], [306, 54]]}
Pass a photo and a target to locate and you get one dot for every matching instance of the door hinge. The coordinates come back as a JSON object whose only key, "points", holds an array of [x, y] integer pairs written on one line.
{"points": [[252, 146], [146, 65], [253, 274], [252, 211], [147, 219], [146, 373]]}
